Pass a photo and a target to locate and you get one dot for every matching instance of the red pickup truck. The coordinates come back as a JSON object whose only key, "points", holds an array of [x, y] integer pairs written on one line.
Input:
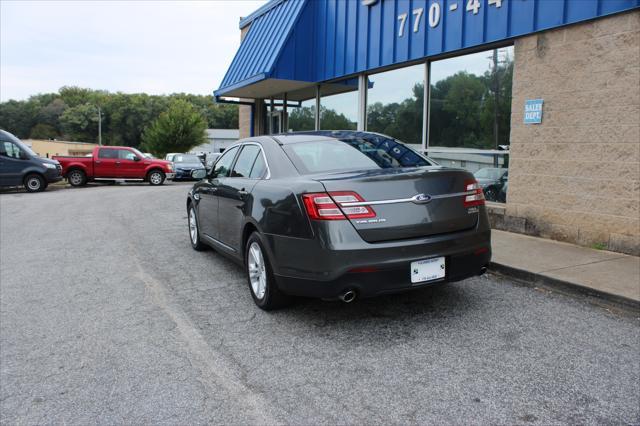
{"points": [[114, 162]]}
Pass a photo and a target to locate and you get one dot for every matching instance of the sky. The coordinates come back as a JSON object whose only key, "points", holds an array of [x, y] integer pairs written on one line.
{"points": [[155, 47], [130, 46]]}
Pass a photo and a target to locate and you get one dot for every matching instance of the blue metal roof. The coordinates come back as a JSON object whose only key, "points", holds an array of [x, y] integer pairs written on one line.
{"points": [[262, 45], [315, 41]]}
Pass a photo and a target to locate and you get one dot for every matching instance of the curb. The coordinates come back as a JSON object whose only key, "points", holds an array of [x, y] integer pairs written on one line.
{"points": [[531, 279]]}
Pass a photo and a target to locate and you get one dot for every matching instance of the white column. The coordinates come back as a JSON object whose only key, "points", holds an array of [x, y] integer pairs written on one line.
{"points": [[362, 102], [317, 115], [426, 122]]}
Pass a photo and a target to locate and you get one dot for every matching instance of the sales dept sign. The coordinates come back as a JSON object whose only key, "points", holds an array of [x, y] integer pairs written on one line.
{"points": [[533, 111]]}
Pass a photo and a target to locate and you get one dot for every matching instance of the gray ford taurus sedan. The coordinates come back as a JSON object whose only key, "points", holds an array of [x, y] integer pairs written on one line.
{"points": [[338, 214]]}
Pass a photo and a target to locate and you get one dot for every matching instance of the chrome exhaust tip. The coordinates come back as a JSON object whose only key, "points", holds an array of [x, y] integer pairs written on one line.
{"points": [[348, 296], [483, 270]]}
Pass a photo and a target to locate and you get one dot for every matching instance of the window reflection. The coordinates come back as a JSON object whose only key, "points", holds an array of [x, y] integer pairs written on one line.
{"points": [[395, 101]]}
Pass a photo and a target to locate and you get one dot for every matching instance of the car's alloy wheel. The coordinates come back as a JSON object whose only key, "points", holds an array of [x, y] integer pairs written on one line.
{"points": [[257, 271], [156, 178], [193, 226], [76, 178], [262, 283], [193, 230], [34, 183]]}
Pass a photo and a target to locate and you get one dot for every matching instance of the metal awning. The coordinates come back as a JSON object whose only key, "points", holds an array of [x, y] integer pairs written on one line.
{"points": [[252, 69]]}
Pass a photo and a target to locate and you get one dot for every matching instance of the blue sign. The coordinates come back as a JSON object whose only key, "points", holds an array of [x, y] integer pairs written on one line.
{"points": [[533, 111]]}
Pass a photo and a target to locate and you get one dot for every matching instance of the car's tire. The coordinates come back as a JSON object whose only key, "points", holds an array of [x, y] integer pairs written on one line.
{"points": [[262, 283], [34, 183], [491, 194], [194, 231], [156, 177], [77, 177]]}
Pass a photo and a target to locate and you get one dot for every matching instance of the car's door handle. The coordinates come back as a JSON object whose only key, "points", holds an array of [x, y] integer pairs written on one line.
{"points": [[117, 163], [242, 193]]}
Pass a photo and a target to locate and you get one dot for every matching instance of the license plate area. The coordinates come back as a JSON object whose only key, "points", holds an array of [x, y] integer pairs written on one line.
{"points": [[427, 270]]}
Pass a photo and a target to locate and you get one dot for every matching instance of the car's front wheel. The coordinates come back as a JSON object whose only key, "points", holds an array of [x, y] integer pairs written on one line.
{"points": [[194, 232], [491, 194], [262, 284], [34, 183], [156, 177]]}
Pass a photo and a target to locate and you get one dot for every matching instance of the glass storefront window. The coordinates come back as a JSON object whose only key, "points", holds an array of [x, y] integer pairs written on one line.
{"points": [[464, 93], [339, 105], [395, 102], [469, 113], [304, 117]]}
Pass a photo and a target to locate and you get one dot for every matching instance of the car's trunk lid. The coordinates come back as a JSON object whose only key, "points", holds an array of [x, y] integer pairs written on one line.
{"points": [[408, 203]]}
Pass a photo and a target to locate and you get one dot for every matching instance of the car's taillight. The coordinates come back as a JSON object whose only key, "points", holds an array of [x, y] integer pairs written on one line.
{"points": [[477, 197], [330, 206]]}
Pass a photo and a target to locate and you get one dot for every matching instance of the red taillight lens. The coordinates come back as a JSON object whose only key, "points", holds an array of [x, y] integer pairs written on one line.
{"points": [[477, 197], [330, 206]]}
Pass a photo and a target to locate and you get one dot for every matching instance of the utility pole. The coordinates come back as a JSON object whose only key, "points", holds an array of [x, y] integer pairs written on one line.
{"points": [[99, 126]]}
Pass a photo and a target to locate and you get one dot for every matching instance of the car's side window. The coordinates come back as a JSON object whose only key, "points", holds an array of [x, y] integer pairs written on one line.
{"points": [[108, 153], [9, 149], [259, 168], [223, 165], [125, 154], [245, 161]]}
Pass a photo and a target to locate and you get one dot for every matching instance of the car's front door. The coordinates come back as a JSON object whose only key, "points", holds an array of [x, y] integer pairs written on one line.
{"points": [[106, 165], [234, 194], [11, 164], [207, 193], [131, 165]]}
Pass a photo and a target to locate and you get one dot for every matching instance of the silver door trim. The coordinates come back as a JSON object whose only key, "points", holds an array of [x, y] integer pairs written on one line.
{"points": [[413, 199]]}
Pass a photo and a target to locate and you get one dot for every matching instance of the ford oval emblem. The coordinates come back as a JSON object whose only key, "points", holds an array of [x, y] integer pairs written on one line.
{"points": [[421, 198]]}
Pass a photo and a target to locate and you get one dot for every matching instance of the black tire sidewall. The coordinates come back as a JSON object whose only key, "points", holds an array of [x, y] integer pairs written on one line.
{"points": [[491, 194], [39, 178]]}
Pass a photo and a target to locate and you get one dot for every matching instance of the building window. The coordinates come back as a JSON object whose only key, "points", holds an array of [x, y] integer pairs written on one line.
{"points": [[395, 103], [470, 113], [464, 93], [339, 105], [304, 117]]}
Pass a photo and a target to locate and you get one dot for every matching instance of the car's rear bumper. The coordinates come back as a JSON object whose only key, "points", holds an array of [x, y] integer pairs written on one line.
{"points": [[319, 268], [170, 175], [393, 280]]}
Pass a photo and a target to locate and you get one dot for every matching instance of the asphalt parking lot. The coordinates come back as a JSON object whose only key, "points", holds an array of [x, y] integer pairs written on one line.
{"points": [[108, 316]]}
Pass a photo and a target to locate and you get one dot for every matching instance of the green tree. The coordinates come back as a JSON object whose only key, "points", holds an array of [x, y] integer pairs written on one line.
{"points": [[80, 123], [302, 118], [43, 131], [178, 129]]}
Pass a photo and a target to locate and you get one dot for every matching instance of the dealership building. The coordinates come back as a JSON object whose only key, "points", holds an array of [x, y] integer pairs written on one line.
{"points": [[548, 89]]}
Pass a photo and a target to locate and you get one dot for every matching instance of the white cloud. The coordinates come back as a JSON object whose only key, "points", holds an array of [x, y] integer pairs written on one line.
{"points": [[129, 46]]}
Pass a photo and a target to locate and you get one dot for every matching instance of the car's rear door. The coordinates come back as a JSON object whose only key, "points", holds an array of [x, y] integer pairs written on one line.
{"points": [[107, 163], [234, 195]]}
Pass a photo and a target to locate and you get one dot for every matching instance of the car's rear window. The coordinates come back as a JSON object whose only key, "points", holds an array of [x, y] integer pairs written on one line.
{"points": [[352, 154]]}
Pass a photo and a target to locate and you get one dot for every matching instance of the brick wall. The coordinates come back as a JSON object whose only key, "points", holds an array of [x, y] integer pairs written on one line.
{"points": [[244, 111], [576, 176]]}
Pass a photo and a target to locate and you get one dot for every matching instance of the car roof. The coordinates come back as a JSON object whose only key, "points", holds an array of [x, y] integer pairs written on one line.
{"points": [[320, 135]]}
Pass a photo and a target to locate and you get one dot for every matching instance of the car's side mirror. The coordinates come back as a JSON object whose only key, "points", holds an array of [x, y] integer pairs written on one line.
{"points": [[199, 174], [24, 155], [136, 158]]}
